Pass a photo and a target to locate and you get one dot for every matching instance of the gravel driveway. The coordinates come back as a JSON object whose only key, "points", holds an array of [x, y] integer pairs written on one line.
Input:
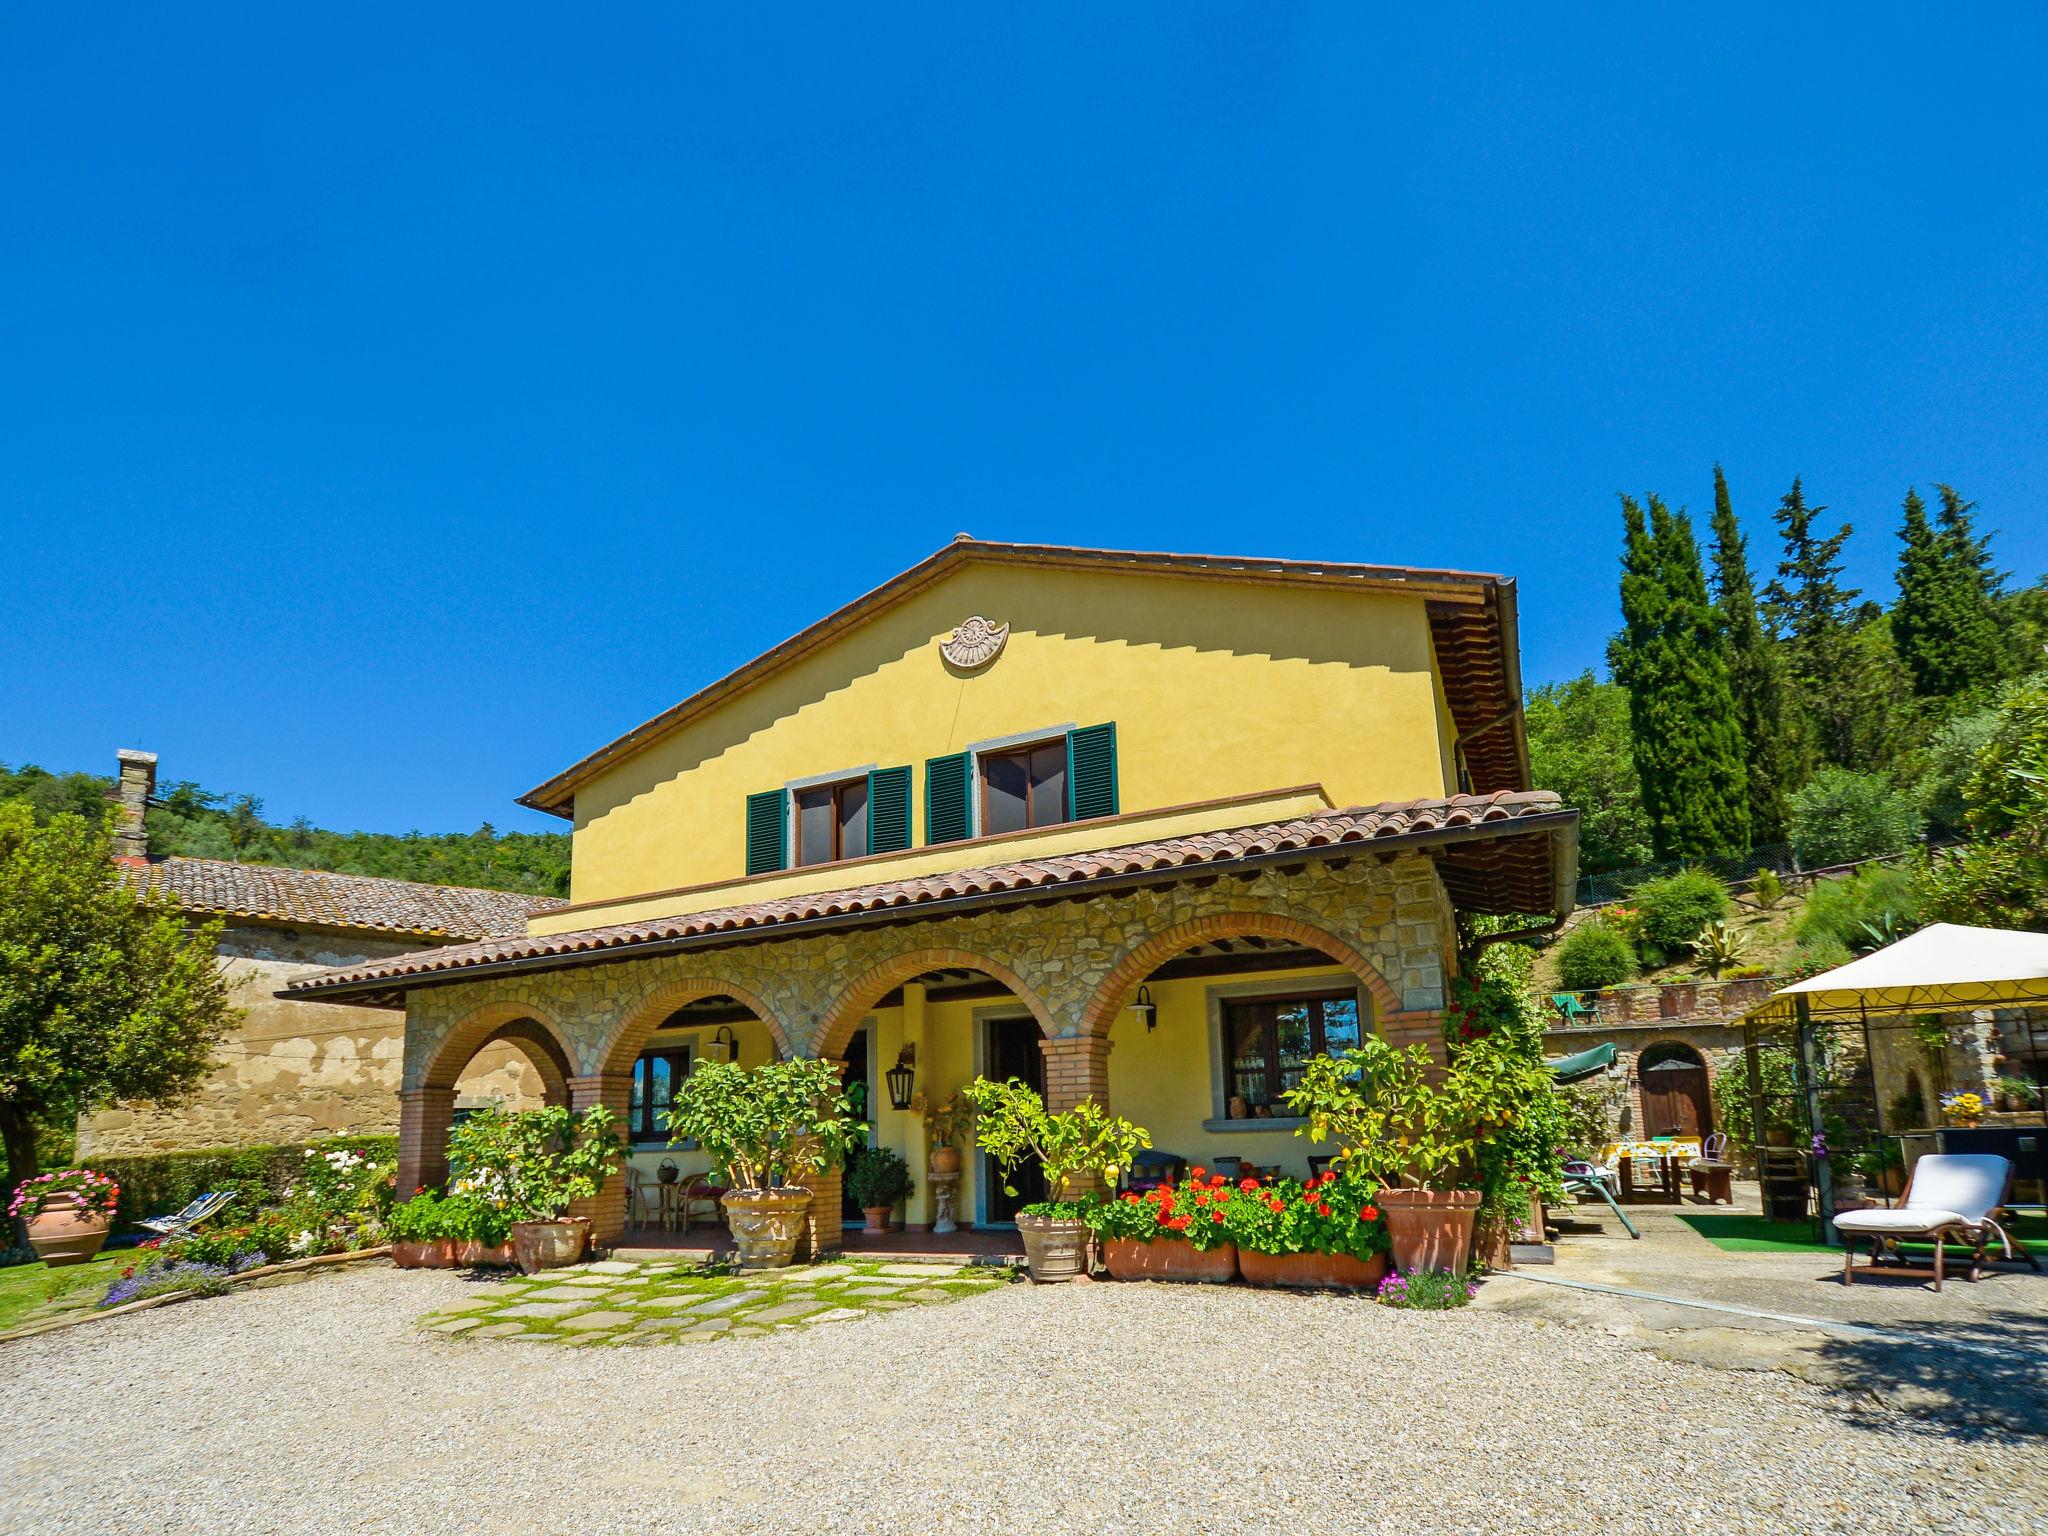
{"points": [[324, 1407]]}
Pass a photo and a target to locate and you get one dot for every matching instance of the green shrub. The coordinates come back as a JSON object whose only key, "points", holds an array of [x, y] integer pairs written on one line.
{"points": [[1670, 912], [1862, 911], [1767, 889], [156, 1184], [878, 1176], [1594, 956], [1842, 817]]}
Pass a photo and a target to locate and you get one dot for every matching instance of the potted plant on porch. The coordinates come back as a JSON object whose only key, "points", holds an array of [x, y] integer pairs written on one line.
{"points": [[876, 1178], [1415, 1128], [770, 1129], [532, 1165], [67, 1214], [1326, 1233], [1168, 1233], [1072, 1146]]}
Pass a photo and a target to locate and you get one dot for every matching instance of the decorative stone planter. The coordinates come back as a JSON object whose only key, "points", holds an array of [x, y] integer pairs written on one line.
{"points": [[1430, 1228], [539, 1245], [427, 1253], [1168, 1258], [66, 1232], [766, 1224], [1054, 1250], [1312, 1271]]}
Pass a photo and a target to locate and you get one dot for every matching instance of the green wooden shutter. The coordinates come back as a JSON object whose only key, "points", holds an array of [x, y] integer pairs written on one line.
{"points": [[1091, 771], [888, 810], [767, 831], [945, 798]]}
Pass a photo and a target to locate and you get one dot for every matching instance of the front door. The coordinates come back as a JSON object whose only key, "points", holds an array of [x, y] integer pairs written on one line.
{"points": [[1013, 1051], [856, 1081], [1675, 1100]]}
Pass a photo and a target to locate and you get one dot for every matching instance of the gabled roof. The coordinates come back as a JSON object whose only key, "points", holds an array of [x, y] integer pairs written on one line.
{"points": [[1472, 620], [1497, 853], [318, 898]]}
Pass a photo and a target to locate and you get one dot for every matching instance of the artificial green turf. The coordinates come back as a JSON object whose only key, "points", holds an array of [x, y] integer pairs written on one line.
{"points": [[1734, 1233]]}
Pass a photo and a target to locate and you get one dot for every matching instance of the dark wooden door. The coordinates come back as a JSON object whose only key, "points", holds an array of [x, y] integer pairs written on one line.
{"points": [[1675, 1100], [1013, 1051], [856, 1081]]}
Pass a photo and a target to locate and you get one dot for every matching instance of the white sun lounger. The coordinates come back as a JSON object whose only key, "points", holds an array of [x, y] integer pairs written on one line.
{"points": [[1951, 1198], [190, 1217]]}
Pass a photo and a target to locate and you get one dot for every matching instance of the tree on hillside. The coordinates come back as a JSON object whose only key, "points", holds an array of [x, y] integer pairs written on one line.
{"points": [[104, 994], [1815, 616], [1946, 622], [1756, 673], [1687, 748], [1999, 879], [1579, 746]]}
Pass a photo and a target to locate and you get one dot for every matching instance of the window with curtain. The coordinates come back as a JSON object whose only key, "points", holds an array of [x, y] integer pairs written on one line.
{"points": [[1268, 1040], [832, 822], [1024, 788], [656, 1075]]}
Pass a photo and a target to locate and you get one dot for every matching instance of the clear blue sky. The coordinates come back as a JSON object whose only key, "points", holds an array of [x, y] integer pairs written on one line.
{"points": [[396, 408]]}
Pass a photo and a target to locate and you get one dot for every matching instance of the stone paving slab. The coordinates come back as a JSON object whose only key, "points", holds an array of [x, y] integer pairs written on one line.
{"points": [[589, 1305]]}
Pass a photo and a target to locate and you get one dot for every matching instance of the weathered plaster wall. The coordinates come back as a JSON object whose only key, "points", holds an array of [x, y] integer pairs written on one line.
{"points": [[296, 1071]]}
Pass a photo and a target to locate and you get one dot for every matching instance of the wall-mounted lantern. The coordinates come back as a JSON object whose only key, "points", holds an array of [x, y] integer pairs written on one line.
{"points": [[902, 1078], [723, 1045], [1146, 1010]]}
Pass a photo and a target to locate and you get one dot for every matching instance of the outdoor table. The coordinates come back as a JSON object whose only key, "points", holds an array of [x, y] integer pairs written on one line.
{"points": [[1661, 1166]]}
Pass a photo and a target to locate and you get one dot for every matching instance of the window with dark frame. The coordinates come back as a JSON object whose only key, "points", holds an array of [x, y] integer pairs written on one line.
{"points": [[1024, 787], [1268, 1040], [656, 1076], [832, 822]]}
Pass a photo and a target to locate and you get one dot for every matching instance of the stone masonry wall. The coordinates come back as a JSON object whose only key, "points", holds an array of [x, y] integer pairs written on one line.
{"points": [[296, 1072]]}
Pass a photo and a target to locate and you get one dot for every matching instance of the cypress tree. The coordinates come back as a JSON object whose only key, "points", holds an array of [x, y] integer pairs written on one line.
{"points": [[1687, 745], [1756, 673], [1946, 623], [1813, 615]]}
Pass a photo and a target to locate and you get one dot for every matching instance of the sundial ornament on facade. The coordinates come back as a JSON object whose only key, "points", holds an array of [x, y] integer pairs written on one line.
{"points": [[975, 643]]}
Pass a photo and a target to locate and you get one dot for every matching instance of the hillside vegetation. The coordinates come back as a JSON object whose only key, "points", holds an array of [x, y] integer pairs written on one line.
{"points": [[199, 823]]}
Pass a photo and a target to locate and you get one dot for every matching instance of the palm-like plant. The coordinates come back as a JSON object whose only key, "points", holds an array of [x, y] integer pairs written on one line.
{"points": [[1720, 946]]}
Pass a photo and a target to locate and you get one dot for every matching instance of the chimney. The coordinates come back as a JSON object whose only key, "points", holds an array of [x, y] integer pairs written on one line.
{"points": [[137, 783]]}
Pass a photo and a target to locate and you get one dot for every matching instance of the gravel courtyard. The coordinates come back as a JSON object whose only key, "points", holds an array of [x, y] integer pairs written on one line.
{"points": [[327, 1407]]}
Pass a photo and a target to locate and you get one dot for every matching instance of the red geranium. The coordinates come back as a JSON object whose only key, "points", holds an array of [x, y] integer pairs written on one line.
{"points": [[1247, 1184]]}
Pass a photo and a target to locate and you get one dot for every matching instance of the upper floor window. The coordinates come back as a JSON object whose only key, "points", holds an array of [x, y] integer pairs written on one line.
{"points": [[1267, 1041], [656, 1076], [832, 822], [1024, 787]]}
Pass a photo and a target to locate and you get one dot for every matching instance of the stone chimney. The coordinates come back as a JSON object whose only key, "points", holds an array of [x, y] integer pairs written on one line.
{"points": [[137, 783]]}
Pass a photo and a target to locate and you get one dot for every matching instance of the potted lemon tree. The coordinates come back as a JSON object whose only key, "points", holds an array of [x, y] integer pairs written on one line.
{"points": [[771, 1129], [1012, 1123], [1415, 1129], [532, 1165]]}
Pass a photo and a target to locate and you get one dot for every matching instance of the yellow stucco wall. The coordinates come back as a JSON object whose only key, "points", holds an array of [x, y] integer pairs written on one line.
{"points": [[1216, 688]]}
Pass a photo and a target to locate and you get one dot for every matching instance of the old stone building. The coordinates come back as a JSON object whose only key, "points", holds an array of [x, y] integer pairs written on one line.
{"points": [[288, 1074]]}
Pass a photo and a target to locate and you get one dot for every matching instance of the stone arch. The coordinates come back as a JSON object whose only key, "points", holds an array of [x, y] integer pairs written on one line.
{"points": [[836, 1027], [539, 1038], [645, 1014], [1670, 1047], [1114, 994]]}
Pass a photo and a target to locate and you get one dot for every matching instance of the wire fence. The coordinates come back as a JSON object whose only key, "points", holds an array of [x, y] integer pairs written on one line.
{"points": [[1610, 886]]}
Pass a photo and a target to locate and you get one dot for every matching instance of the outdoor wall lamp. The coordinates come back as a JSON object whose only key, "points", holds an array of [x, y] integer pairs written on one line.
{"points": [[724, 1045], [902, 1077], [1146, 1010]]}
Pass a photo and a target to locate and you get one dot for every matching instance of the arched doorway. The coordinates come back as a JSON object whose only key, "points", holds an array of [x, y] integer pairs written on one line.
{"points": [[1673, 1080], [472, 1057]]}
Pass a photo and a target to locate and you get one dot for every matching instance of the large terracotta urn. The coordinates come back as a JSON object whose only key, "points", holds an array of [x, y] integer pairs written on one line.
{"points": [[1430, 1228], [1054, 1249], [66, 1232], [766, 1224]]}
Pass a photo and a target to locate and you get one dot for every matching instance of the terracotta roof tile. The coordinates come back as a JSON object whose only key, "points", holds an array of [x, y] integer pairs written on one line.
{"points": [[317, 897], [1524, 880]]}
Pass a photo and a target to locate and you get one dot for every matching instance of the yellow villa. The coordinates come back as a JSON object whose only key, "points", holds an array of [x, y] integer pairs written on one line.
{"points": [[1146, 827]]}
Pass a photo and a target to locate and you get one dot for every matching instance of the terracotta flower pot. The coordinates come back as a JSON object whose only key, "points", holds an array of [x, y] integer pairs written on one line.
{"points": [[66, 1232], [766, 1224], [1312, 1271], [539, 1245], [1430, 1228], [424, 1253], [1054, 1250], [877, 1217], [1168, 1258], [944, 1161], [471, 1254]]}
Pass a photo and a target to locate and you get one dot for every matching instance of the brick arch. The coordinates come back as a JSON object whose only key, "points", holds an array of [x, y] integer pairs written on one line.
{"points": [[644, 1015], [1114, 994], [835, 1029], [540, 1039], [1634, 1079]]}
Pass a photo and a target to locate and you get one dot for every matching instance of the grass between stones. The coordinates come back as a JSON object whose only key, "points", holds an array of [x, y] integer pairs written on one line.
{"points": [[646, 1304]]}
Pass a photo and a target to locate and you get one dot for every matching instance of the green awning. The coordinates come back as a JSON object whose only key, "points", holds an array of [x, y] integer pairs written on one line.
{"points": [[1570, 1069]]}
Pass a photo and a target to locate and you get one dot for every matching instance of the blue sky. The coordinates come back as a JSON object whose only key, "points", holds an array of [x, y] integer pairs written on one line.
{"points": [[397, 407]]}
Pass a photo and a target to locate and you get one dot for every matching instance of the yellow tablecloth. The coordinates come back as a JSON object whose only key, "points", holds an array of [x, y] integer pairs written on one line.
{"points": [[1684, 1148]]}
